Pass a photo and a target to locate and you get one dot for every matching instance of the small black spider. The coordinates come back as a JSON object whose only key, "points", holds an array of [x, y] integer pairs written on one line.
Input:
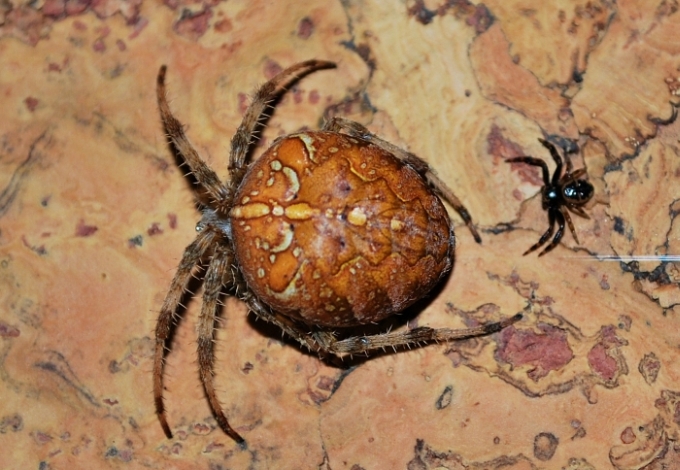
{"points": [[562, 192]]}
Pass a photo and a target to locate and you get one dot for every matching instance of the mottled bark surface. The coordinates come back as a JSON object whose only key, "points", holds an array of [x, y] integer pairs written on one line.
{"points": [[95, 213]]}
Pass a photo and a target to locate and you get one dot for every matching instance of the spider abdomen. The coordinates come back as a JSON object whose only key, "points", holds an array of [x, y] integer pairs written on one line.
{"points": [[335, 231], [577, 192]]}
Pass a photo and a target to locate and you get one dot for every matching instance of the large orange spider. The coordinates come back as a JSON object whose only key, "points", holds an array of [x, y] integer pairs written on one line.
{"points": [[327, 229]]}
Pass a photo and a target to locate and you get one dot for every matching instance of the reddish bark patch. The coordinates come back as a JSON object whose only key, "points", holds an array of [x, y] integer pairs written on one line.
{"points": [[76, 7], [325, 383], [193, 25], [83, 230], [599, 360], [272, 69], [8, 331], [139, 25], [649, 367], [98, 45], [602, 364], [155, 229], [41, 438], [544, 351], [305, 28], [172, 220], [31, 103], [501, 148], [54, 8], [628, 436], [224, 25], [481, 19]]}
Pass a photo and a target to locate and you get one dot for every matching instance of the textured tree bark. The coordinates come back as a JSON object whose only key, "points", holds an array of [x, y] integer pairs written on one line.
{"points": [[95, 214]]}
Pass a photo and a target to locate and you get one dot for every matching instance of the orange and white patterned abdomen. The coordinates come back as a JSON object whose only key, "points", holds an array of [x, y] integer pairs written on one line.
{"points": [[333, 230]]}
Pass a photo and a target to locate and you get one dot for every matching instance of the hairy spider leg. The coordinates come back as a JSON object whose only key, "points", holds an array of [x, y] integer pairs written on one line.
{"points": [[217, 275], [206, 177], [322, 341], [242, 140], [190, 259], [414, 337], [355, 129]]}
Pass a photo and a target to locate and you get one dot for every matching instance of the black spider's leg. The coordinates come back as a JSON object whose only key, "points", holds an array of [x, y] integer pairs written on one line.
{"points": [[579, 211], [558, 160], [567, 159], [567, 217], [548, 233], [559, 215], [535, 162], [578, 174]]}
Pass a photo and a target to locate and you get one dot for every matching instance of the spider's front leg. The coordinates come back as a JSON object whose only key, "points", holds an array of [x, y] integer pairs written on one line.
{"points": [[337, 124], [243, 138], [210, 188], [535, 162], [558, 161]]}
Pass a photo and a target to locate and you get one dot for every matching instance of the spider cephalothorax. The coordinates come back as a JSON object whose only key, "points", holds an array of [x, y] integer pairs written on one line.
{"points": [[559, 195], [326, 229]]}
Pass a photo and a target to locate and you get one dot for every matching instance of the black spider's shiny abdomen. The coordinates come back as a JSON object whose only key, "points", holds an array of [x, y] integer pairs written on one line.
{"points": [[577, 192]]}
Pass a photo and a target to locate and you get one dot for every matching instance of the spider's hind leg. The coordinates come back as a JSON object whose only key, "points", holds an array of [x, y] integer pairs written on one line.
{"points": [[191, 258], [219, 271], [558, 216], [547, 234], [410, 338]]}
